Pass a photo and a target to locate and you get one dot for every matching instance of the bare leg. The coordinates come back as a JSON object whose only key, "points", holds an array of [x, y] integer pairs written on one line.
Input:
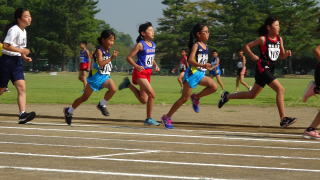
{"points": [[220, 82], [86, 94], [316, 121], [82, 78], [180, 79], [247, 94], [211, 87], [111, 89], [279, 89], [237, 83], [147, 95], [21, 89], [186, 93], [242, 81]]}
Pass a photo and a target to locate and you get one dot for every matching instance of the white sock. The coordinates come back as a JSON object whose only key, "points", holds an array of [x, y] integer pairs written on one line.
{"points": [[22, 112], [103, 102], [70, 110]]}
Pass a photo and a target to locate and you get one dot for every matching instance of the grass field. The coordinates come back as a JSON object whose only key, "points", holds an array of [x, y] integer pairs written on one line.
{"points": [[65, 87]]}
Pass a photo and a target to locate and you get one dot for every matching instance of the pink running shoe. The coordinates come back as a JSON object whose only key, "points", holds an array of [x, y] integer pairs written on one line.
{"points": [[309, 91], [167, 122], [311, 134]]}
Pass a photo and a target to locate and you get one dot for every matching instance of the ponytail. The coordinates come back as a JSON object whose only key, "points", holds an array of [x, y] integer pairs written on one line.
{"points": [[193, 34], [143, 28], [263, 30]]}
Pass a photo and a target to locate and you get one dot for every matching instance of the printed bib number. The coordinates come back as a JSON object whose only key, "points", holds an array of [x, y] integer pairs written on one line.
{"points": [[149, 60], [274, 51], [202, 59], [106, 69], [82, 59]]}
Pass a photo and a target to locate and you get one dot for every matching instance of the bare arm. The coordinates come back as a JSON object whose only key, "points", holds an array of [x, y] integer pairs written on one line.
{"points": [[138, 47], [247, 48], [317, 52], [244, 61], [156, 65], [192, 58], [284, 53], [8, 47], [102, 62]]}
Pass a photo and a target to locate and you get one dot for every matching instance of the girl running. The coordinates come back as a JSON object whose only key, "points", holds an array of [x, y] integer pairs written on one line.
{"points": [[11, 68], [215, 70], [99, 76], [241, 72], [183, 66], [312, 89], [271, 47], [145, 50], [85, 63], [195, 73]]}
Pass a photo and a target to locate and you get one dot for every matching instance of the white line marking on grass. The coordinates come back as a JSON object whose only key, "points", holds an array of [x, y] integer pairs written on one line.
{"points": [[162, 162], [145, 151], [181, 130], [121, 154], [106, 173], [168, 135], [164, 142]]}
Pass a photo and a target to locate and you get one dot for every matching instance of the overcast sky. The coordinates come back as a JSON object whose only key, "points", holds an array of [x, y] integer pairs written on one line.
{"points": [[126, 15]]}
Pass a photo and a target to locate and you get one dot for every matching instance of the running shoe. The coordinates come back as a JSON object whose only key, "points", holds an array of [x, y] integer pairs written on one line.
{"points": [[311, 134], [125, 83], [167, 122], [287, 121], [224, 99], [309, 91], [103, 109], [67, 116], [26, 117], [150, 121], [195, 103]]}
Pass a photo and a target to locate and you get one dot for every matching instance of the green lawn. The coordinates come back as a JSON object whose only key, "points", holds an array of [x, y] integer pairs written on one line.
{"points": [[65, 87]]}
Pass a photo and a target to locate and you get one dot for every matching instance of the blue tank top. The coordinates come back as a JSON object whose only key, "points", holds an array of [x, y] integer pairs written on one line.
{"points": [[214, 61], [106, 69], [146, 56], [202, 56], [84, 56]]}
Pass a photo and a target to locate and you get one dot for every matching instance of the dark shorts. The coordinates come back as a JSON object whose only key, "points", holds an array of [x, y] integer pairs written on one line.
{"points": [[265, 77], [10, 69]]}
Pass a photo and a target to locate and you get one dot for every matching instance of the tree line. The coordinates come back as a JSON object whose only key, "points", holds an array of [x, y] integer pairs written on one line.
{"points": [[57, 28], [233, 23]]}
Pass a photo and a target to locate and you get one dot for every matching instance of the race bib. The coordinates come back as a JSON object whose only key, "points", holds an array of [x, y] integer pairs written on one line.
{"points": [[106, 69], [149, 60], [202, 59], [274, 51], [81, 59]]}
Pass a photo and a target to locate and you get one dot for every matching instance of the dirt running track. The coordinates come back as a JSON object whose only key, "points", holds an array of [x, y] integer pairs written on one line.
{"points": [[236, 142]]}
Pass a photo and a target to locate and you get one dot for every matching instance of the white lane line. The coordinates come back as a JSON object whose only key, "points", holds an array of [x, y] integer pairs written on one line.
{"points": [[144, 151], [168, 135], [121, 154], [182, 130], [162, 162], [164, 142], [106, 173]]}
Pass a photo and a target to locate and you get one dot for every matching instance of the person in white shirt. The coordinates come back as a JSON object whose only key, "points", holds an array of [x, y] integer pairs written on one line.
{"points": [[11, 68]]}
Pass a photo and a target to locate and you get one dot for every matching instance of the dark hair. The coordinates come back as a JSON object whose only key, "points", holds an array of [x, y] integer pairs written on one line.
{"points": [[143, 28], [105, 34], [214, 50], [262, 31], [17, 15], [193, 34], [84, 42]]}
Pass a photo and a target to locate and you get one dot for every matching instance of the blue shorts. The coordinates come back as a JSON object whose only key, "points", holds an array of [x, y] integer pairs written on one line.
{"points": [[216, 71], [10, 69], [96, 81], [193, 79]]}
